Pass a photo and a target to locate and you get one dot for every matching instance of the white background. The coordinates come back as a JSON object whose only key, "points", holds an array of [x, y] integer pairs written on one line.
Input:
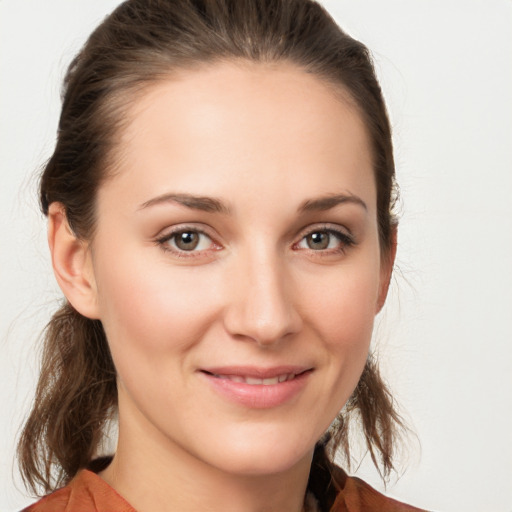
{"points": [[445, 338]]}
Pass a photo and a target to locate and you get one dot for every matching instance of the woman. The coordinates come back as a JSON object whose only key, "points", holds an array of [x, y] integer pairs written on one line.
{"points": [[220, 221]]}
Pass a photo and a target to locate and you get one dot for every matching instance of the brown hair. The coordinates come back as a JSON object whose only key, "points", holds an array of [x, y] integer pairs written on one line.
{"points": [[141, 42]]}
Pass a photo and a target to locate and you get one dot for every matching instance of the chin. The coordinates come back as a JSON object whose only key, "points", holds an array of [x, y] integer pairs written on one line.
{"points": [[257, 465], [262, 454]]}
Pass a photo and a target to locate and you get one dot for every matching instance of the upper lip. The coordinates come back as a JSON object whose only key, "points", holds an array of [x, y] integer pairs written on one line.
{"points": [[257, 372]]}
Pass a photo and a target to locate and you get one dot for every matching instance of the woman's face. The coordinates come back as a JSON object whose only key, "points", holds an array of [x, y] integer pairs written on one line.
{"points": [[236, 264]]}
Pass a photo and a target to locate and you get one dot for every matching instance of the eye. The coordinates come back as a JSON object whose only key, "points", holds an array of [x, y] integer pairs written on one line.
{"points": [[325, 240], [186, 240]]}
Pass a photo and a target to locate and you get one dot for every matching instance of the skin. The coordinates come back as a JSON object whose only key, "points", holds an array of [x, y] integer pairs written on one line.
{"points": [[265, 141]]}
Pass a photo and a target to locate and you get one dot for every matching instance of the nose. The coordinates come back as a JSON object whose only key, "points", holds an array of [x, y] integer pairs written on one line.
{"points": [[262, 303]]}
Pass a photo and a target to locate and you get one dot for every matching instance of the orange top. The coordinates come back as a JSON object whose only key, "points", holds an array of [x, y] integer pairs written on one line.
{"points": [[88, 492], [357, 496]]}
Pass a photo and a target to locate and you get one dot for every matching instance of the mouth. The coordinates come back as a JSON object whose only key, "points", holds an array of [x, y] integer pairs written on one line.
{"points": [[255, 381], [258, 388]]}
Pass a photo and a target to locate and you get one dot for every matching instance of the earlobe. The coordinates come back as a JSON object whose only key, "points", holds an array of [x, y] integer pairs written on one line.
{"points": [[386, 271], [72, 264]]}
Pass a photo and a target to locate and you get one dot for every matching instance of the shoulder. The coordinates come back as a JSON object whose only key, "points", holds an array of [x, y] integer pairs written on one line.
{"points": [[335, 491], [355, 495], [87, 492]]}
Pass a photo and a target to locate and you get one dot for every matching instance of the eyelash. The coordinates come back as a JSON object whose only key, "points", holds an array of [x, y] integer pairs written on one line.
{"points": [[180, 253], [345, 241]]}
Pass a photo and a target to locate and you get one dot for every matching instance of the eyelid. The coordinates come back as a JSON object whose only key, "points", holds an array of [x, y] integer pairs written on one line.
{"points": [[344, 234], [168, 234], [325, 226]]}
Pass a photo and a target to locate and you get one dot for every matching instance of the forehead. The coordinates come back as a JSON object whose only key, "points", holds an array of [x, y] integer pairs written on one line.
{"points": [[240, 124]]}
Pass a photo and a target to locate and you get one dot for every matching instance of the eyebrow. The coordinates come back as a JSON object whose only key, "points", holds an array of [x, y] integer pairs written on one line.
{"points": [[213, 205], [203, 203], [330, 201]]}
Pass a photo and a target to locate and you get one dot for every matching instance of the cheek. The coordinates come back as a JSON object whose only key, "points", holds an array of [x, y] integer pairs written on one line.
{"points": [[343, 311], [153, 322], [343, 305], [157, 309]]}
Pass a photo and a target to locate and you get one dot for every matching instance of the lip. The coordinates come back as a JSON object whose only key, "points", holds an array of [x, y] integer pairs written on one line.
{"points": [[256, 395]]}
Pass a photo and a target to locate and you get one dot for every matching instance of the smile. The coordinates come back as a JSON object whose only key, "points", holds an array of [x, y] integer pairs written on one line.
{"points": [[254, 381], [257, 388]]}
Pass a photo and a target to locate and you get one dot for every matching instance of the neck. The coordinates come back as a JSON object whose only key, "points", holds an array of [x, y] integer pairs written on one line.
{"points": [[154, 474]]}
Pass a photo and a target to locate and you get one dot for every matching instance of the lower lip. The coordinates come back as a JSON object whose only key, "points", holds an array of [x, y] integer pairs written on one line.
{"points": [[258, 396]]}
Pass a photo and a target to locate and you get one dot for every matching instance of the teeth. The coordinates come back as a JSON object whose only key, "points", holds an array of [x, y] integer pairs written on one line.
{"points": [[254, 381]]}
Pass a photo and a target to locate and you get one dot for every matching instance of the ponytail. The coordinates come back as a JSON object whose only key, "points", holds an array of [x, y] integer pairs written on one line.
{"points": [[373, 406], [75, 397]]}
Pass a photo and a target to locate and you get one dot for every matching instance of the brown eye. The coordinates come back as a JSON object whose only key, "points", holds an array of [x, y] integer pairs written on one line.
{"points": [[186, 240], [327, 239], [318, 240]]}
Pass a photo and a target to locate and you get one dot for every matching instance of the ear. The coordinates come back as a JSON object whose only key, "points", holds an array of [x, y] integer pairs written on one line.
{"points": [[386, 269], [72, 263]]}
